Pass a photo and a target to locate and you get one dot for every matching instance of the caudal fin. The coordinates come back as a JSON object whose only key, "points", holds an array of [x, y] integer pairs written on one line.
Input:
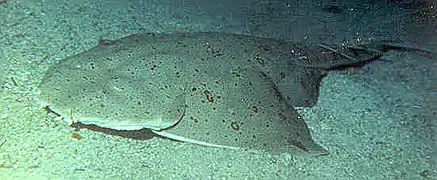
{"points": [[358, 55]]}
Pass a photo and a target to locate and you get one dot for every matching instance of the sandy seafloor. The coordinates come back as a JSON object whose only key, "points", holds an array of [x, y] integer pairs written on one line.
{"points": [[377, 121]]}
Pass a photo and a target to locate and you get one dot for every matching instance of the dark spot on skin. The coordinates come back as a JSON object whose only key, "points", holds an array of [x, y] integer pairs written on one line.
{"points": [[208, 96], [235, 126], [255, 109], [282, 75], [154, 67]]}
